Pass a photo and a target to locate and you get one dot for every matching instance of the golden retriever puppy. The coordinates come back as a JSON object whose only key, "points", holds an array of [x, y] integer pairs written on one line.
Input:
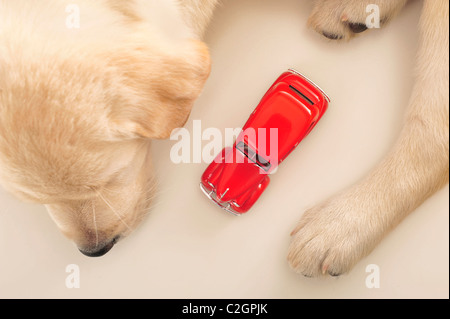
{"points": [[79, 106], [83, 90]]}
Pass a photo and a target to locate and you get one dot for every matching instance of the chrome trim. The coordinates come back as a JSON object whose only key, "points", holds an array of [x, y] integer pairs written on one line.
{"points": [[309, 80], [209, 194], [224, 194], [236, 204]]}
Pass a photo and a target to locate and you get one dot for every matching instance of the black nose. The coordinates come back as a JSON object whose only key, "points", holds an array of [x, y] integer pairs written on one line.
{"points": [[102, 251]]}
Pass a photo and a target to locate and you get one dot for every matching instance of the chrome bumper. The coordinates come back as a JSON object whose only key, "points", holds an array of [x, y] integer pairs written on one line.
{"points": [[225, 206]]}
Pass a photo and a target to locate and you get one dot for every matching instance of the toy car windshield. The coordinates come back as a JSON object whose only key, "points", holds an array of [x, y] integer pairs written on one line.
{"points": [[251, 154]]}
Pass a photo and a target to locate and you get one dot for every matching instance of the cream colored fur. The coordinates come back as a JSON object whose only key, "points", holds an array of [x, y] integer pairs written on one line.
{"points": [[78, 109], [332, 236]]}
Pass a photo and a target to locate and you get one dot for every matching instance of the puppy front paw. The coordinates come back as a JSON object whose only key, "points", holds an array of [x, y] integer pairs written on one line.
{"points": [[343, 19], [332, 237]]}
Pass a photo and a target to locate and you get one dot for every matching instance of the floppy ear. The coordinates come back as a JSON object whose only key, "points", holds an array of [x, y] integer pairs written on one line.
{"points": [[157, 88]]}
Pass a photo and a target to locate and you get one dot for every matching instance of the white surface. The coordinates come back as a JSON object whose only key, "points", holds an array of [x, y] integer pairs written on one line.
{"points": [[188, 248]]}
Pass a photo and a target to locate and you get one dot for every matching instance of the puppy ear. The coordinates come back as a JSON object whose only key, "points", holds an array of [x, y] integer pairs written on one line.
{"points": [[157, 88]]}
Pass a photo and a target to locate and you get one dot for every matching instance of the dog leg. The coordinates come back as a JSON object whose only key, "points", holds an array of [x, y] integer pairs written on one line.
{"points": [[333, 236], [343, 19]]}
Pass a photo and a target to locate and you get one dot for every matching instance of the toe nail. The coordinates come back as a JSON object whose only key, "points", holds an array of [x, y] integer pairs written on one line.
{"points": [[357, 27], [332, 36]]}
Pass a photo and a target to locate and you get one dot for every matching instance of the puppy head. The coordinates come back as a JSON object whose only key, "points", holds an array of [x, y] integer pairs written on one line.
{"points": [[75, 130]]}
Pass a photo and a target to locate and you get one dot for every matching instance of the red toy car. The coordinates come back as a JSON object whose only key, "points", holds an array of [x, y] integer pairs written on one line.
{"points": [[288, 111]]}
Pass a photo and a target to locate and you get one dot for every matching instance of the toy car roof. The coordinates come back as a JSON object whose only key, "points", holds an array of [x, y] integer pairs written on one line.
{"points": [[292, 106]]}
